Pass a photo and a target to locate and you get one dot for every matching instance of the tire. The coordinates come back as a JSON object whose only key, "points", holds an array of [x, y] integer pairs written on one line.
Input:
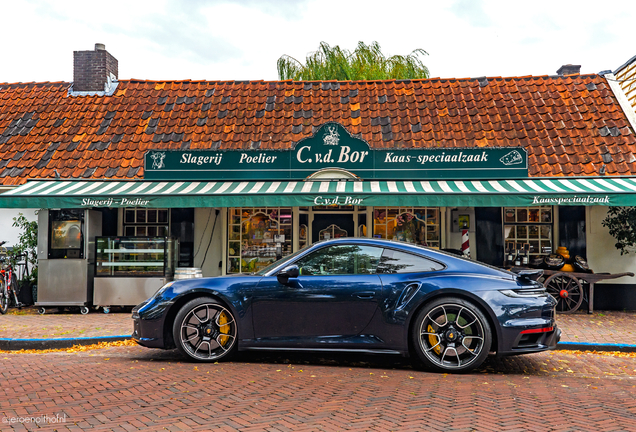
{"points": [[204, 330], [451, 335], [4, 299], [14, 293]]}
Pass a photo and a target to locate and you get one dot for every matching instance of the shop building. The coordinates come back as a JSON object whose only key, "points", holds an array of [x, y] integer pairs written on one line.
{"points": [[241, 172]]}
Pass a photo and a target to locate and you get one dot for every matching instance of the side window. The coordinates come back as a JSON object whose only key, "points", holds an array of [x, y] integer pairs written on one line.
{"points": [[393, 261], [341, 260]]}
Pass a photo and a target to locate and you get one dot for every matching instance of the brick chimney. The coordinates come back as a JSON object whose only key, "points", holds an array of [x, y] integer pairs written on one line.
{"points": [[569, 69], [92, 70]]}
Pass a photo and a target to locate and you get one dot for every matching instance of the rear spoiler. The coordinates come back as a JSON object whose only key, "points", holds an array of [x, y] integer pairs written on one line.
{"points": [[530, 274]]}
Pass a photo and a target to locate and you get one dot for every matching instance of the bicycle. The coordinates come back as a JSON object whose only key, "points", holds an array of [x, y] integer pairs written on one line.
{"points": [[9, 289]]}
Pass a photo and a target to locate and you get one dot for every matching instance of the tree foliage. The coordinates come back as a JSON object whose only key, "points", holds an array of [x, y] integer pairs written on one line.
{"points": [[366, 62], [621, 222], [26, 246]]}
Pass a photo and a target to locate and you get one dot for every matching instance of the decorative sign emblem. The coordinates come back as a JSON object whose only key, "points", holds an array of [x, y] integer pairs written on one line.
{"points": [[331, 136], [157, 159], [512, 158]]}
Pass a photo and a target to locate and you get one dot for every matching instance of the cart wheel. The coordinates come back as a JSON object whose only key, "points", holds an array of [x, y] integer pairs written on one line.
{"points": [[83, 310], [567, 291], [41, 311], [106, 309]]}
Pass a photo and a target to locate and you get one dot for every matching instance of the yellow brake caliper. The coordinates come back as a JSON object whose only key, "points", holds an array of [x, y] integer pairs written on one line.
{"points": [[433, 339], [223, 328]]}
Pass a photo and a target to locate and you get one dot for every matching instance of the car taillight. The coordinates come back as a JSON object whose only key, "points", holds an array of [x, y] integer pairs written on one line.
{"points": [[539, 330]]}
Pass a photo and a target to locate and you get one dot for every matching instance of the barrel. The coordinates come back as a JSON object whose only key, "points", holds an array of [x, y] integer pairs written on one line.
{"points": [[187, 273]]}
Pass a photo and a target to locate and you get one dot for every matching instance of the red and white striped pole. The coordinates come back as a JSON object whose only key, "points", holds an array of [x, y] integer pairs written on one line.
{"points": [[465, 243]]}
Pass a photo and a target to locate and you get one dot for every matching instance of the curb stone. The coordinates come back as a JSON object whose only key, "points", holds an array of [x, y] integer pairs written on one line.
{"points": [[41, 344], [591, 346]]}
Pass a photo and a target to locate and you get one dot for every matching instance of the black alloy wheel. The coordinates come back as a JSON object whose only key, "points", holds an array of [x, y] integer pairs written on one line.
{"points": [[204, 330], [451, 335]]}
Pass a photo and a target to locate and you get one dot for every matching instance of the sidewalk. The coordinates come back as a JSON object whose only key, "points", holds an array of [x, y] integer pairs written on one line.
{"points": [[26, 329]]}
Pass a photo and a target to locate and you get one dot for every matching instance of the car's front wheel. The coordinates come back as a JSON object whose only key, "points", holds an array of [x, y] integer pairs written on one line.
{"points": [[205, 330], [451, 335]]}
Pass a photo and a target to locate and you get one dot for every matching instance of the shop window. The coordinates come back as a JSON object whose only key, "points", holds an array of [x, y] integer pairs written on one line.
{"points": [[257, 237], [529, 225], [332, 232], [146, 222], [302, 236], [303, 227], [418, 225]]}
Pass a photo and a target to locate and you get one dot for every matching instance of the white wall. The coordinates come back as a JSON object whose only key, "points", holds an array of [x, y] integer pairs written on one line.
{"points": [[8, 232], [454, 239], [602, 255], [203, 223]]}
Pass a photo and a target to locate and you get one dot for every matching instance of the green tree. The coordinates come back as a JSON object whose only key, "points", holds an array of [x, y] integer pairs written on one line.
{"points": [[366, 62], [26, 246], [621, 222]]}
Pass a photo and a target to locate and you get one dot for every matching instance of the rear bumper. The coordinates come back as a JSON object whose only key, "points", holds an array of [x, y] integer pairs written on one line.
{"points": [[532, 342]]}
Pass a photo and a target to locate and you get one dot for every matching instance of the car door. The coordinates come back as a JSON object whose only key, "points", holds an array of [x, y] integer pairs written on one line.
{"points": [[336, 294]]}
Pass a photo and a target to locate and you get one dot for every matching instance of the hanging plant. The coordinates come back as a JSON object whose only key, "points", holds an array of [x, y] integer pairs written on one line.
{"points": [[621, 222]]}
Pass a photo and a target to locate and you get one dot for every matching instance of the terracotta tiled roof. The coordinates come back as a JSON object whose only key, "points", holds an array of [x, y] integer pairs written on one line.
{"points": [[570, 125]]}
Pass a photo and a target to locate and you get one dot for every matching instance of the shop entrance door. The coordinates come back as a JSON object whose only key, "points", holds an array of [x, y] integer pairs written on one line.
{"points": [[332, 225]]}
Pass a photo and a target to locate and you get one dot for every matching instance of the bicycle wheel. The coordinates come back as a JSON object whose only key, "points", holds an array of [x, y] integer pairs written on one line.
{"points": [[4, 298], [15, 290]]}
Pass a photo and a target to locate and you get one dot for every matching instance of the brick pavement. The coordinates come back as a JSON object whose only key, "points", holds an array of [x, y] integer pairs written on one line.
{"points": [[132, 388], [28, 324], [600, 327]]}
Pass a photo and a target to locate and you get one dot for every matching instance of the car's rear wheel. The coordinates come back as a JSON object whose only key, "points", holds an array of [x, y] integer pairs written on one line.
{"points": [[205, 330], [451, 335]]}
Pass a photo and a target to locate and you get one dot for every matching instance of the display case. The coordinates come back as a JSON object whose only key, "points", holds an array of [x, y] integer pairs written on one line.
{"points": [[128, 270]]}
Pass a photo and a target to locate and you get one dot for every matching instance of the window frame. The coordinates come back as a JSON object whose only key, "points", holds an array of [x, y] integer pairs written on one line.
{"points": [[527, 224]]}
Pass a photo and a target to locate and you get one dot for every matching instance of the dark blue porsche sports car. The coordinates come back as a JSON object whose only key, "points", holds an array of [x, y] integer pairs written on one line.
{"points": [[356, 295]]}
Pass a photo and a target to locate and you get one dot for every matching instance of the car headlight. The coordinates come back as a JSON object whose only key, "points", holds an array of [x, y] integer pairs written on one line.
{"points": [[524, 293]]}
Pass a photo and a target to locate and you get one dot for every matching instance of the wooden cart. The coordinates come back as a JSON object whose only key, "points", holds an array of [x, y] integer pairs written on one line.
{"points": [[567, 288]]}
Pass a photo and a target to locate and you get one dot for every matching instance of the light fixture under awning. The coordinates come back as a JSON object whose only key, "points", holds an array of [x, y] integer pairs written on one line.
{"points": [[618, 191]]}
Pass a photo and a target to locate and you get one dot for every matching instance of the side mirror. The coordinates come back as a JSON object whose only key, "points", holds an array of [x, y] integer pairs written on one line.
{"points": [[291, 271]]}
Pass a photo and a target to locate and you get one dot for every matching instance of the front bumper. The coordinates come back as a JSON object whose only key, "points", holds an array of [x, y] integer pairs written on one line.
{"points": [[147, 332]]}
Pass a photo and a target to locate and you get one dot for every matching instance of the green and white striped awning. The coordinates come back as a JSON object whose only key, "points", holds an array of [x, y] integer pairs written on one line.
{"points": [[616, 191]]}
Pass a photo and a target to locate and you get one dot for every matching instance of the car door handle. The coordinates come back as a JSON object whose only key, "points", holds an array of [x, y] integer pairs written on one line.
{"points": [[365, 294]]}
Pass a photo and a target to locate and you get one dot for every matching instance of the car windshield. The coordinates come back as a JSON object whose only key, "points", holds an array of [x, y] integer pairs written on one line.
{"points": [[264, 271]]}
